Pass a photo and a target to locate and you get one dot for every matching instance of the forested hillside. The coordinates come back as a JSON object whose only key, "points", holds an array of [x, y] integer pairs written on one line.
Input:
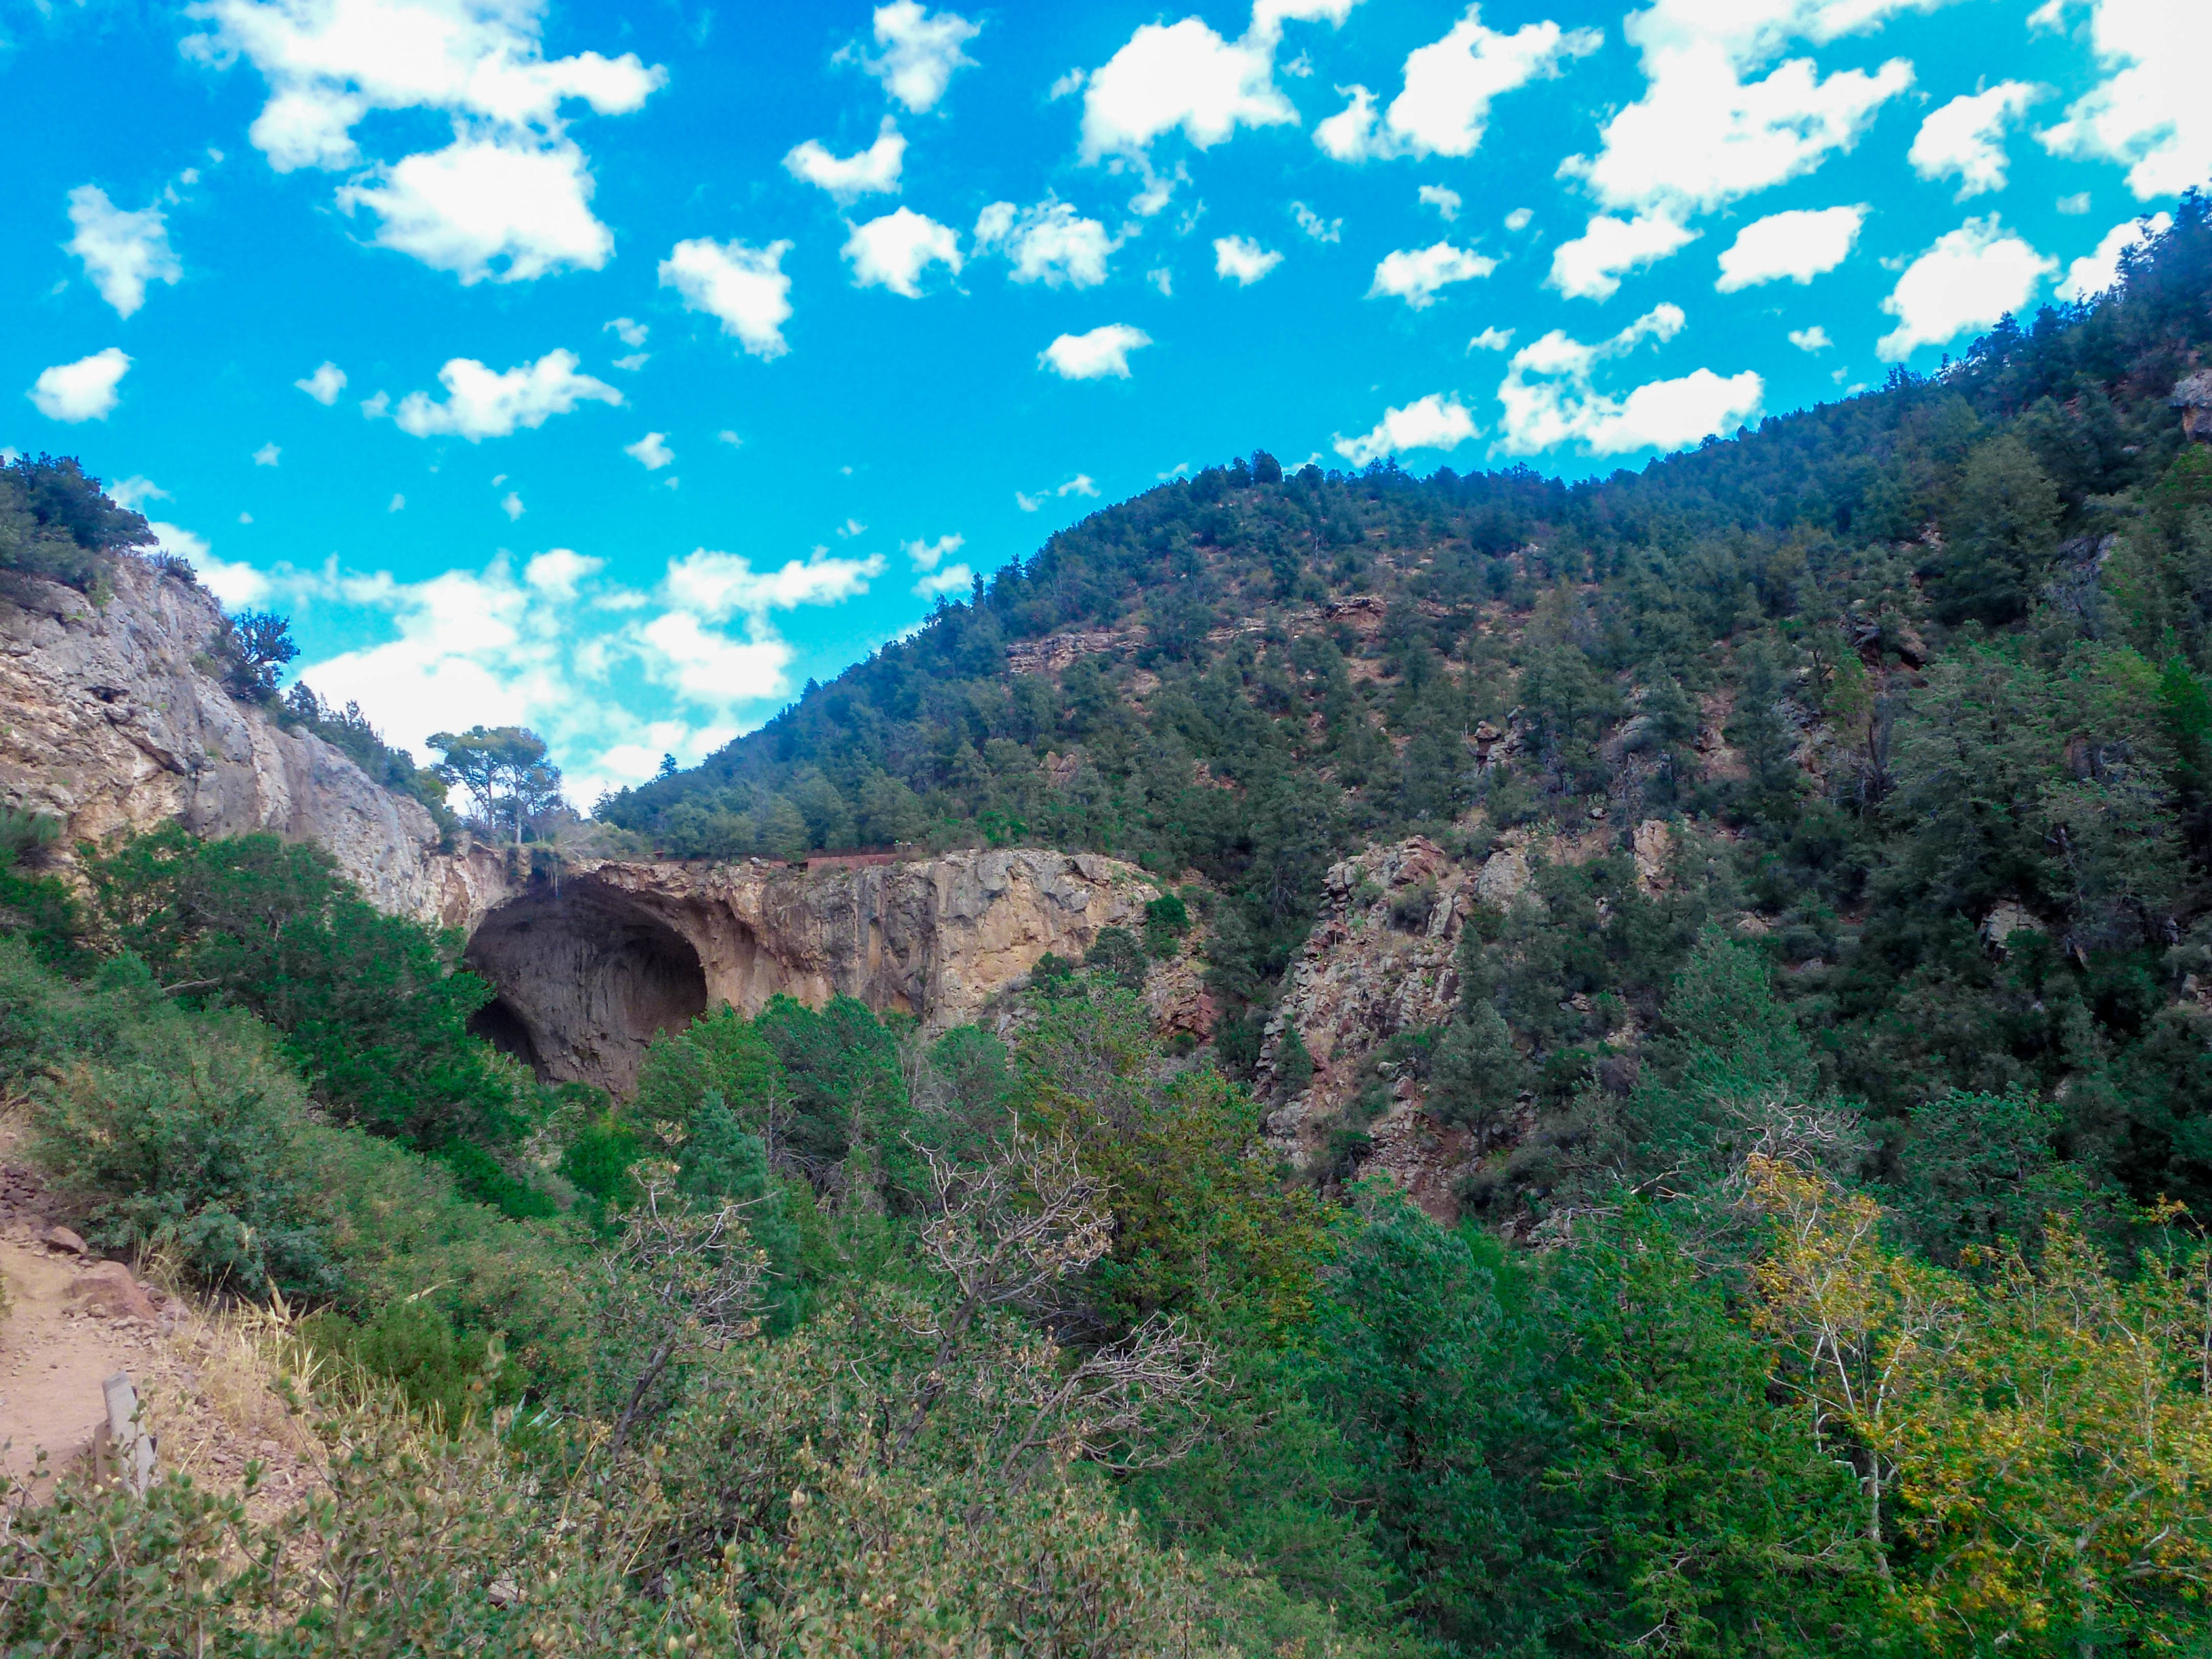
{"points": [[1907, 672], [1863, 1138]]}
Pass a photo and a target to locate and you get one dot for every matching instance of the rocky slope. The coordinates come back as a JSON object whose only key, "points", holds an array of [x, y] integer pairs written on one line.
{"points": [[110, 722]]}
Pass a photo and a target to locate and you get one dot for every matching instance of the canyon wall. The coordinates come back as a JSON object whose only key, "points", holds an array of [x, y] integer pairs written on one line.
{"points": [[590, 964]]}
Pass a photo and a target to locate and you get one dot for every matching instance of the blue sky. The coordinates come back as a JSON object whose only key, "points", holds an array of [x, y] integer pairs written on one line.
{"points": [[616, 369]]}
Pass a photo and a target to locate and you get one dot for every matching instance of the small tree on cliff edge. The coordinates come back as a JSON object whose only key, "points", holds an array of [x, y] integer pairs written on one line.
{"points": [[505, 770]]}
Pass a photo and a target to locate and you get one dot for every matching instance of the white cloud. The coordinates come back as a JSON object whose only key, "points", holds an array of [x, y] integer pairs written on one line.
{"points": [[82, 391], [1799, 244], [1049, 243], [2076, 203], [488, 209], [1491, 339], [267, 455], [2150, 112], [633, 362], [1590, 266], [1432, 423], [2090, 275], [556, 572], [1103, 352], [1320, 230], [1164, 280], [1814, 339], [1704, 133], [628, 330], [1242, 260], [953, 579], [1549, 397], [482, 405], [925, 555], [1443, 199], [651, 452], [1028, 503], [1081, 484], [1450, 83], [122, 252], [730, 437], [873, 171], [1415, 275], [745, 287], [324, 384], [918, 51], [131, 493], [235, 584], [511, 189], [1183, 75], [893, 252], [718, 586], [398, 504], [1965, 139], [1970, 278], [1519, 218], [851, 528], [1070, 83]]}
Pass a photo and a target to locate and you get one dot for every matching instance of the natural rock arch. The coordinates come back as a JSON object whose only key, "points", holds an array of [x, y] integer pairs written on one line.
{"points": [[587, 977]]}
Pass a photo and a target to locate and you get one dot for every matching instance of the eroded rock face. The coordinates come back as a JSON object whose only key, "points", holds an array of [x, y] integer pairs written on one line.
{"points": [[590, 968], [107, 723]]}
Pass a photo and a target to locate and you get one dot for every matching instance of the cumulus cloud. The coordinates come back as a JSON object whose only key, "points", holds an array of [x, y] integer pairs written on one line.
{"points": [[267, 455], [1444, 199], [1970, 278], [488, 208], [718, 586], [1103, 352], [651, 452], [1416, 275], [628, 329], [82, 391], [1320, 230], [2149, 113], [511, 189], [1492, 338], [926, 554], [2091, 274], [953, 579], [1081, 484], [1183, 76], [893, 252], [324, 384], [1549, 396], [1242, 260], [1799, 244], [1965, 139], [1450, 86], [1432, 423], [1591, 265], [916, 51], [122, 252], [480, 404], [1049, 243], [1706, 132], [744, 287], [1814, 339], [873, 171]]}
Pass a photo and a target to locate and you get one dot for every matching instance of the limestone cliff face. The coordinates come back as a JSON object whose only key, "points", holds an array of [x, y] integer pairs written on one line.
{"points": [[106, 724], [590, 966]]}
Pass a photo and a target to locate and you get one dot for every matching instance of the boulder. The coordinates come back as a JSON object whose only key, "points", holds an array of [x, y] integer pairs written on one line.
{"points": [[109, 1289]]}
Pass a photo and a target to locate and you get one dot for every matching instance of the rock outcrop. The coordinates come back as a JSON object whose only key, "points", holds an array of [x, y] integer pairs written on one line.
{"points": [[590, 966], [110, 722]]}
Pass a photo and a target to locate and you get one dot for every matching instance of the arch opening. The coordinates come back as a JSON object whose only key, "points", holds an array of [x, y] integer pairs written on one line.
{"points": [[587, 976]]}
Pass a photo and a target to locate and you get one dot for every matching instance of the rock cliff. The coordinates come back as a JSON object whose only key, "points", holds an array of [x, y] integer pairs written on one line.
{"points": [[591, 965], [109, 723]]}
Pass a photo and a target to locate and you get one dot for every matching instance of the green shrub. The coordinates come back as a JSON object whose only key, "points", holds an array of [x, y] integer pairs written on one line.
{"points": [[185, 1138]]}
